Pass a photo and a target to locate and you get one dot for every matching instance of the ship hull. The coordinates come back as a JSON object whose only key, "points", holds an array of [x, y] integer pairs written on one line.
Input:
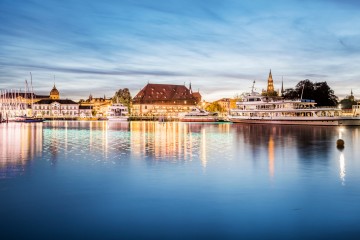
{"points": [[118, 119], [199, 119], [314, 122]]}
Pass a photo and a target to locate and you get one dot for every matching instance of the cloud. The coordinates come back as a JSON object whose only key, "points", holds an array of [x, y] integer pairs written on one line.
{"points": [[219, 45]]}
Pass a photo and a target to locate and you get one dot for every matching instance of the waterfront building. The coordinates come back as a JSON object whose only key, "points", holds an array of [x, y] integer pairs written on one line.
{"points": [[164, 100], [85, 111], [225, 104], [54, 107], [98, 105]]}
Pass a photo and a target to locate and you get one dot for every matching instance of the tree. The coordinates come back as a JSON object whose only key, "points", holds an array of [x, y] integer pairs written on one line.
{"points": [[270, 94], [290, 93], [347, 103], [319, 91], [324, 95], [214, 107], [123, 96]]}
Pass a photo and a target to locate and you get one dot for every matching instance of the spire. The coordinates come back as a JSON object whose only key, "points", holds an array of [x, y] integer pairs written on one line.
{"points": [[270, 86], [352, 96], [190, 88]]}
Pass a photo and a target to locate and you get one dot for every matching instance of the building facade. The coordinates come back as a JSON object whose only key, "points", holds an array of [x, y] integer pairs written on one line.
{"points": [[225, 104], [99, 105], [163, 100], [60, 108], [54, 107]]}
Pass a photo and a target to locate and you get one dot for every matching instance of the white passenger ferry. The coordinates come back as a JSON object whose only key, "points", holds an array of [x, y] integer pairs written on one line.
{"points": [[198, 115], [117, 112], [255, 108]]}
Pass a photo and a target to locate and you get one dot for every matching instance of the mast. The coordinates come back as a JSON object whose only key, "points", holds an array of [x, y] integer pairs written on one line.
{"points": [[302, 92], [32, 95]]}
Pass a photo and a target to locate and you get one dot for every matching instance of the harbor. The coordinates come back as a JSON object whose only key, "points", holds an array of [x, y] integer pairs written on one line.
{"points": [[179, 120], [171, 102]]}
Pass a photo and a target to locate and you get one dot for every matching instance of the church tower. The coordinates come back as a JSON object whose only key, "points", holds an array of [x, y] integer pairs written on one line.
{"points": [[270, 86]]}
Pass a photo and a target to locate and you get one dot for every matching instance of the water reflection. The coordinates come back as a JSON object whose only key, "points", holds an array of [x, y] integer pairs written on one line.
{"points": [[183, 179], [271, 153], [19, 144], [168, 141], [342, 168], [154, 142]]}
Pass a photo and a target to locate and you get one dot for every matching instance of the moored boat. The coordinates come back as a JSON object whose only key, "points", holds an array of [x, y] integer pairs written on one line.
{"points": [[27, 119], [255, 108], [198, 115], [117, 112]]}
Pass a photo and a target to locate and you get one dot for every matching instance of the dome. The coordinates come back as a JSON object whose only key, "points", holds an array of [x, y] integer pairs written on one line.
{"points": [[54, 93]]}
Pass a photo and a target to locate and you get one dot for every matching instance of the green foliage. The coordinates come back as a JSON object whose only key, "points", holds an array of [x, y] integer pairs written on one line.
{"points": [[123, 96], [214, 107], [319, 91], [347, 103], [271, 94]]}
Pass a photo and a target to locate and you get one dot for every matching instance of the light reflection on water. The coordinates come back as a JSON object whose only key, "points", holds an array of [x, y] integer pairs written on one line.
{"points": [[179, 180]]}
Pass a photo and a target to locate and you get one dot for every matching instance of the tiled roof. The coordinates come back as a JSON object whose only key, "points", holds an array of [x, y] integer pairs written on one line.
{"points": [[164, 93], [61, 101], [196, 94]]}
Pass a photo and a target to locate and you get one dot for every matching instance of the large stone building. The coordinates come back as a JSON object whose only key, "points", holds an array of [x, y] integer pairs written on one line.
{"points": [[164, 100], [226, 104], [99, 105], [54, 107]]}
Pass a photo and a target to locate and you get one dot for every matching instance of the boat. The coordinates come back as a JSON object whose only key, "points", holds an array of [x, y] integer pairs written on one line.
{"points": [[199, 115], [117, 112], [255, 108], [26, 119]]}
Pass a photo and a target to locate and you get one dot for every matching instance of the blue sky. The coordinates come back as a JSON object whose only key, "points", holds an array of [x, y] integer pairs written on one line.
{"points": [[219, 46]]}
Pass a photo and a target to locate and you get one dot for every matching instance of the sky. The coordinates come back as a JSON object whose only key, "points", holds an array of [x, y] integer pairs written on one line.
{"points": [[219, 46]]}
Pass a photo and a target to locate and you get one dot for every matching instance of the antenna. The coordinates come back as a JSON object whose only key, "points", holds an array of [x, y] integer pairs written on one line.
{"points": [[252, 88]]}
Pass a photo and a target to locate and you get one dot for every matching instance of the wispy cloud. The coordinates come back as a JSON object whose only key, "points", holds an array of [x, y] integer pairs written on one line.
{"points": [[220, 46]]}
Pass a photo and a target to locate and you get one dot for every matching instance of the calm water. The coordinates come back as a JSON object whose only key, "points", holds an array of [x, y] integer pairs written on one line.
{"points": [[155, 180]]}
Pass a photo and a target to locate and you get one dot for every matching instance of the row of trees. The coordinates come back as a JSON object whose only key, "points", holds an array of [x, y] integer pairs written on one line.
{"points": [[318, 91]]}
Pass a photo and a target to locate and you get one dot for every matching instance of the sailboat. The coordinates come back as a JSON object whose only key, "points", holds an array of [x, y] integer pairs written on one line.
{"points": [[24, 118]]}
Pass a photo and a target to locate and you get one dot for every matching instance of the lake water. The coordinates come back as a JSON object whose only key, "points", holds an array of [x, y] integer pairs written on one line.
{"points": [[151, 180]]}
